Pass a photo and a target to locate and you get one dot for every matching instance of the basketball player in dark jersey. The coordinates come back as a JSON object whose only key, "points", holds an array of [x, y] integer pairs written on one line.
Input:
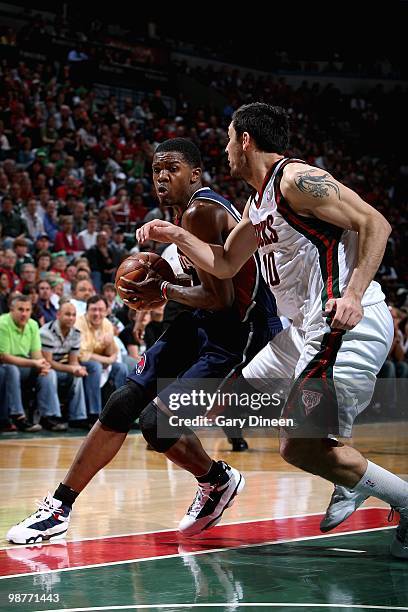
{"points": [[230, 321]]}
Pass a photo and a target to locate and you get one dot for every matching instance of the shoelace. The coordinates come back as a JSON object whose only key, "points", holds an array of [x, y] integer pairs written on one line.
{"points": [[202, 495], [45, 505]]}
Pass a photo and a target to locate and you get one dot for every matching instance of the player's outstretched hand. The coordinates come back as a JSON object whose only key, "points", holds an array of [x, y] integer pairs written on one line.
{"points": [[158, 230], [344, 313]]}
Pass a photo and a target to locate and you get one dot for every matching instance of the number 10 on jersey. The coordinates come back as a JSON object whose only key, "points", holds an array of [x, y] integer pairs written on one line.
{"points": [[270, 272]]}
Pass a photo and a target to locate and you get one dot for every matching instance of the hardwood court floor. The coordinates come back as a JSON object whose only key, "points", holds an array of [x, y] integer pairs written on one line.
{"points": [[263, 559]]}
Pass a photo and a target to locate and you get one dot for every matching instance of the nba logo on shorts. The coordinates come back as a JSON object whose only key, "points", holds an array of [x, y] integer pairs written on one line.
{"points": [[310, 400], [141, 364]]}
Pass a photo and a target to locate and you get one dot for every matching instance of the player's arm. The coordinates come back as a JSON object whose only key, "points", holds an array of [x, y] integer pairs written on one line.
{"points": [[210, 224], [222, 261], [313, 192]]}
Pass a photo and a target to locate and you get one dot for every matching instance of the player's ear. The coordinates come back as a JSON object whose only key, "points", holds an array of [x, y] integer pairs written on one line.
{"points": [[246, 141], [195, 175]]}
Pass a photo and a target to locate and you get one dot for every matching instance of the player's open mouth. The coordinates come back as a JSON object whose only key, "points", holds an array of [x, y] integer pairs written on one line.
{"points": [[162, 189]]}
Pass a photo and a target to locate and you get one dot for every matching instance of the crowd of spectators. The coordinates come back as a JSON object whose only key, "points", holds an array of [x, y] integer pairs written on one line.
{"points": [[75, 183]]}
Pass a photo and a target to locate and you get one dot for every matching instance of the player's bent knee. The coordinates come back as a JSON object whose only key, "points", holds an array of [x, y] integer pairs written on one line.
{"points": [[123, 407], [157, 429]]}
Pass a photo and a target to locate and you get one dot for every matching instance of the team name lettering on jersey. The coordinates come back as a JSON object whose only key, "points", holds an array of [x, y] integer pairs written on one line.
{"points": [[265, 232]]}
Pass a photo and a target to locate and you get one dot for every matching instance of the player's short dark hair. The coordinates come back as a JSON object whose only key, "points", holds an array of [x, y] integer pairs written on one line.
{"points": [[267, 125], [186, 147]]}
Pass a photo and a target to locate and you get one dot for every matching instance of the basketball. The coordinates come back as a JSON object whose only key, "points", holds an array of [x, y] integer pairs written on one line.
{"points": [[136, 268]]}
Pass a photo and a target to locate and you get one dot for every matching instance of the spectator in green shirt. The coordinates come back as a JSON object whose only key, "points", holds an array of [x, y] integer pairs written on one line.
{"points": [[24, 364]]}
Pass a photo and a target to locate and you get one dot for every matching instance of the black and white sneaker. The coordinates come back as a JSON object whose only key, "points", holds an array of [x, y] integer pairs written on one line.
{"points": [[211, 499], [49, 522]]}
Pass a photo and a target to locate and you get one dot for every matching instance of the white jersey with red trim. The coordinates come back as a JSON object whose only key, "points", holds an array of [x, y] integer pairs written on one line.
{"points": [[305, 261]]}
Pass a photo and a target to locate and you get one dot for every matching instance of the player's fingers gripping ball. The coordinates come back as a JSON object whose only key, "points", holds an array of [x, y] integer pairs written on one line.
{"points": [[136, 269]]}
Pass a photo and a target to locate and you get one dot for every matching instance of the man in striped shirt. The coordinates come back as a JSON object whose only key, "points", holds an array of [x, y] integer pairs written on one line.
{"points": [[60, 346]]}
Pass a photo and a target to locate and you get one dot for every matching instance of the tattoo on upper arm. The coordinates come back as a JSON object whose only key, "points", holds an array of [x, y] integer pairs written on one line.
{"points": [[317, 185]]}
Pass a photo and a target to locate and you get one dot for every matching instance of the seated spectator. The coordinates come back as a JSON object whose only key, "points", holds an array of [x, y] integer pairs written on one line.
{"points": [[60, 347], [92, 184], [82, 262], [83, 274], [21, 247], [49, 134], [51, 181], [70, 275], [27, 276], [118, 206], [43, 264], [78, 218], [50, 220], [43, 243], [87, 238], [100, 259], [4, 292], [65, 239], [59, 263], [130, 337], [118, 247], [22, 360], [98, 354], [11, 223], [30, 289], [82, 290], [138, 210], [112, 298], [33, 220], [57, 286], [9, 262], [45, 307], [71, 187]]}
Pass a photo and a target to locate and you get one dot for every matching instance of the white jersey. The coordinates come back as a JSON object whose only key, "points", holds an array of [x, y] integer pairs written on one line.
{"points": [[305, 261]]}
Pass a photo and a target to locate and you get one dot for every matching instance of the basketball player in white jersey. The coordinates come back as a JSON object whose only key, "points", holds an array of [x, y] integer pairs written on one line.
{"points": [[320, 246]]}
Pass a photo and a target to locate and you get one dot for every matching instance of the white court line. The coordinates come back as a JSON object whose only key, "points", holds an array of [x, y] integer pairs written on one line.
{"points": [[198, 552], [138, 533], [230, 604], [352, 550]]}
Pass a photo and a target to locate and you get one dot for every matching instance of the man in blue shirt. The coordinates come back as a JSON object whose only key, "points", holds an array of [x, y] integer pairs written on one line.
{"points": [[45, 306]]}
